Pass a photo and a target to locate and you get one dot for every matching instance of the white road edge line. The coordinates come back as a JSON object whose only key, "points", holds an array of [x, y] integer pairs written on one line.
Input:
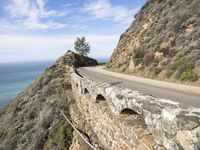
{"points": [[168, 85]]}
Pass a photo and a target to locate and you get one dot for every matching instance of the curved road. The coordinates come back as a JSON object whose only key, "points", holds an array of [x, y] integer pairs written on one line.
{"points": [[189, 95]]}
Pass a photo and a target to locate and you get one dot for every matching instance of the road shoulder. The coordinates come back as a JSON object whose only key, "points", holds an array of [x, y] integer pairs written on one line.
{"points": [[155, 83]]}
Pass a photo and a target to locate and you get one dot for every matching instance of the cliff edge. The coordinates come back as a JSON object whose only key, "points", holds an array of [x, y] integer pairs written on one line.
{"points": [[32, 120]]}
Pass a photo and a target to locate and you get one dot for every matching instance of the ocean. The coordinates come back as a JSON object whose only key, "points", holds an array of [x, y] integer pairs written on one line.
{"points": [[103, 59], [15, 77]]}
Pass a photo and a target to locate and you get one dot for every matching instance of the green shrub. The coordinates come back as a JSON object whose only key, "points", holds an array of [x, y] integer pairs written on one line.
{"points": [[182, 65], [138, 53], [170, 69], [145, 5], [189, 76], [180, 19], [154, 67], [194, 8], [157, 70], [101, 63], [137, 61], [60, 136], [138, 56], [160, 1], [148, 58], [184, 14]]}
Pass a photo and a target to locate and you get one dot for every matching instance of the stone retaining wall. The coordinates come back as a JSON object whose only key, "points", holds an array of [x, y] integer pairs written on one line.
{"points": [[126, 119]]}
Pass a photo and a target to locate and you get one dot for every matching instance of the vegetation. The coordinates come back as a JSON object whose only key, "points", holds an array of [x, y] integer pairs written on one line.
{"points": [[166, 31], [170, 69], [81, 46], [188, 76], [32, 120], [138, 56], [160, 1], [60, 136], [148, 58], [183, 64], [101, 63], [26, 123], [139, 53], [180, 19]]}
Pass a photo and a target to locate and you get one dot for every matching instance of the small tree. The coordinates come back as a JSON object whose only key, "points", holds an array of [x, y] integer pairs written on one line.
{"points": [[81, 46]]}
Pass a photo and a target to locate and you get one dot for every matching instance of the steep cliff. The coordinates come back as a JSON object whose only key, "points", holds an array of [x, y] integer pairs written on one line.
{"points": [[32, 120], [162, 42]]}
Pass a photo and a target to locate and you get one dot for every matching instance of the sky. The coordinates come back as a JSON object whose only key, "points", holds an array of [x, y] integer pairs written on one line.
{"points": [[40, 30]]}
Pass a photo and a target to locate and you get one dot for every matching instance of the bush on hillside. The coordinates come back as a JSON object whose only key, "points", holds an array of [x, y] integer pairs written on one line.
{"points": [[148, 58], [138, 56], [188, 76], [183, 64], [160, 1]]}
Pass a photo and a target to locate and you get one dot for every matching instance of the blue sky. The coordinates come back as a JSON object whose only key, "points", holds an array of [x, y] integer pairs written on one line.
{"points": [[35, 30]]}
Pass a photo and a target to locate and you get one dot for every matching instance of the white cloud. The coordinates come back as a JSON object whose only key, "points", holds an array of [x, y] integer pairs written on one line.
{"points": [[104, 9], [22, 20], [18, 8], [29, 48], [30, 14]]}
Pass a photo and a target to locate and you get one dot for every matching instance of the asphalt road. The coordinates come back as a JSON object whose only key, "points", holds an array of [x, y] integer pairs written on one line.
{"points": [[188, 95]]}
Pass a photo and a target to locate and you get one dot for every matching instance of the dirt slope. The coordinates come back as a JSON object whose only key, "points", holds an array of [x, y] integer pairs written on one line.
{"points": [[162, 42]]}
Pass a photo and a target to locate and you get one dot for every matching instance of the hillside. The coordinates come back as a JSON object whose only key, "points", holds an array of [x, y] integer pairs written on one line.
{"points": [[32, 120], [162, 42]]}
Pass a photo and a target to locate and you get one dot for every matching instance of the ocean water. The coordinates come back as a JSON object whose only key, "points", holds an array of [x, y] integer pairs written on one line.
{"points": [[105, 59], [15, 77]]}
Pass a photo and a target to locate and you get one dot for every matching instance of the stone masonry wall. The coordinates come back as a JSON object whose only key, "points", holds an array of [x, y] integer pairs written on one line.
{"points": [[124, 119]]}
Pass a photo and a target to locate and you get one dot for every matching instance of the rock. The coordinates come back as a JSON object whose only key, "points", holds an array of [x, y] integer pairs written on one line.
{"points": [[188, 122], [134, 119], [153, 38]]}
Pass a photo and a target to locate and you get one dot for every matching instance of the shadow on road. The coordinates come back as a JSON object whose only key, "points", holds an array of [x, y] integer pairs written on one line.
{"points": [[115, 83]]}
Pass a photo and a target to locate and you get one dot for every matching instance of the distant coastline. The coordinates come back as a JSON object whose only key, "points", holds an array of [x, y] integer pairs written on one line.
{"points": [[16, 76], [103, 59]]}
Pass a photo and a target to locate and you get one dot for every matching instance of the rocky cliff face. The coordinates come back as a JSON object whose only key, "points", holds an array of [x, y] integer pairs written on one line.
{"points": [[162, 42], [32, 120]]}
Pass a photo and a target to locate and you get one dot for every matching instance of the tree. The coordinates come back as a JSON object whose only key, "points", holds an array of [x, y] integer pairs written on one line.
{"points": [[81, 46]]}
